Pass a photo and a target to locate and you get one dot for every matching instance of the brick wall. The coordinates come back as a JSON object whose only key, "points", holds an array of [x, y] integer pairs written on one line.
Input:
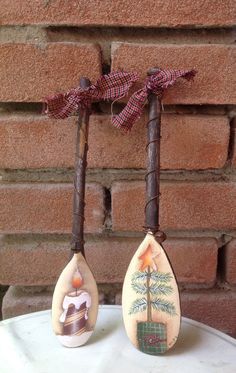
{"points": [[45, 46]]}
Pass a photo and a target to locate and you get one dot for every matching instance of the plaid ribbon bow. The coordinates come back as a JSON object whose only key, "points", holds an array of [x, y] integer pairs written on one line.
{"points": [[108, 87], [155, 83]]}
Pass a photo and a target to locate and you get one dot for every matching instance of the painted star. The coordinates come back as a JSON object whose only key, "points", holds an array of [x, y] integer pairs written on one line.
{"points": [[147, 259]]}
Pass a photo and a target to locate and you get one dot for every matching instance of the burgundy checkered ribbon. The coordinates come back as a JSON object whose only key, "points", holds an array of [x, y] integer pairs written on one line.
{"points": [[108, 87], [155, 83]]}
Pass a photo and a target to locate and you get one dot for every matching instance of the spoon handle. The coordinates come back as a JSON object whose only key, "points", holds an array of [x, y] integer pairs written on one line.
{"points": [[77, 242], [153, 165]]}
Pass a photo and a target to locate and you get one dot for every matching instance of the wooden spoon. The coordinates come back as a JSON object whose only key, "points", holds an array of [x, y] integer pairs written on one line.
{"points": [[75, 298], [150, 297]]}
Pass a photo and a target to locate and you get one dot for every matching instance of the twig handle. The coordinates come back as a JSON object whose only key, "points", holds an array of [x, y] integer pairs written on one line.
{"points": [[153, 166], [77, 242]]}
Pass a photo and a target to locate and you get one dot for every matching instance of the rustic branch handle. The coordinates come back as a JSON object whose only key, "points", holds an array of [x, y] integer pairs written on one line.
{"points": [[153, 166], [77, 242]]}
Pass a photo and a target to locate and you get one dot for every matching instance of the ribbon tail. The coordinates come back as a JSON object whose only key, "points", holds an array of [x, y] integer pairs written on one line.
{"points": [[172, 75], [189, 74], [60, 106], [132, 111]]}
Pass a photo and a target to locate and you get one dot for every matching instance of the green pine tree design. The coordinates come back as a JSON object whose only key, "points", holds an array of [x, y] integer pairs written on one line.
{"points": [[154, 287]]}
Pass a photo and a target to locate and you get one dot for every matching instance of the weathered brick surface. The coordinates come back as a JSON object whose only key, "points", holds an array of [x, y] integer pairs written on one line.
{"points": [[40, 263], [34, 263], [16, 302], [230, 262], [183, 205], [47, 208], [30, 72], [36, 142], [188, 142], [214, 308], [213, 84], [188, 256], [171, 13], [194, 260], [233, 150]]}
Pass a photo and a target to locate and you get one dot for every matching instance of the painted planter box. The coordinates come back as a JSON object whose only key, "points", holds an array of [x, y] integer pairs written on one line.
{"points": [[152, 337]]}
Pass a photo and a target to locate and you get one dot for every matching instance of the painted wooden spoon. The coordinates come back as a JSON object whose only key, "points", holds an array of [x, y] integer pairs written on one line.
{"points": [[150, 297], [75, 298]]}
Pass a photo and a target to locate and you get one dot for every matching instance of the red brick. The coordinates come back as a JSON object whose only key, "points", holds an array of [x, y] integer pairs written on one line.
{"points": [[40, 263], [188, 142], [230, 262], [234, 143], [16, 302], [214, 308], [214, 83], [187, 257], [34, 263], [172, 13], [46, 208], [194, 260], [30, 72], [109, 258], [183, 205], [36, 142]]}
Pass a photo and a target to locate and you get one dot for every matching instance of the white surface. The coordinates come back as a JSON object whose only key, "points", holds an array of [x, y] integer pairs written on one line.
{"points": [[27, 344]]}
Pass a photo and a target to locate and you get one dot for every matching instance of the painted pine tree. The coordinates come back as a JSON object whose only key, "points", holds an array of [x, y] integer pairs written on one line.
{"points": [[153, 287]]}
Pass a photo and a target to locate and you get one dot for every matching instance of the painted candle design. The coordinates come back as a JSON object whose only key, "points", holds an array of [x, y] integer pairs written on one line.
{"points": [[74, 319]]}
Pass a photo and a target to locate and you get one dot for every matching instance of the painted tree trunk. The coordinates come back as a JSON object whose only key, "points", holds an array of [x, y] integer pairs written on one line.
{"points": [[149, 309]]}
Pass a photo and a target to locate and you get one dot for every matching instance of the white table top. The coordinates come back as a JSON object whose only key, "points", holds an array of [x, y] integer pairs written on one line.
{"points": [[27, 344]]}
